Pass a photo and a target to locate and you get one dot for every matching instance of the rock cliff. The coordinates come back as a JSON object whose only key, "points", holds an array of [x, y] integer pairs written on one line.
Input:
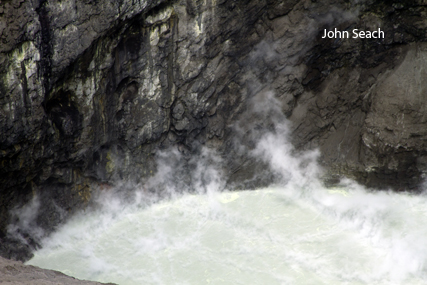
{"points": [[90, 90]]}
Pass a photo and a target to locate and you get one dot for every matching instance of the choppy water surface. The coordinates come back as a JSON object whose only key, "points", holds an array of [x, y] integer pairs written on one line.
{"points": [[269, 236]]}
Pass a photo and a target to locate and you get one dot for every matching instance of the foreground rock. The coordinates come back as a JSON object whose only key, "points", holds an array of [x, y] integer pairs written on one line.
{"points": [[14, 273]]}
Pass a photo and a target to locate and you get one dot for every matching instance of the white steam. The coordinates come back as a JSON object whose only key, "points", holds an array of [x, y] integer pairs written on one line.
{"points": [[24, 223], [298, 232]]}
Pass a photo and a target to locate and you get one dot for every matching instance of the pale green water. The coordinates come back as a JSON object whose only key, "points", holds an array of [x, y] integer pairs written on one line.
{"points": [[269, 236]]}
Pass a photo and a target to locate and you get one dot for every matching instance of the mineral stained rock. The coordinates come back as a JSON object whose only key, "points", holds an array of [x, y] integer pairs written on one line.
{"points": [[90, 90]]}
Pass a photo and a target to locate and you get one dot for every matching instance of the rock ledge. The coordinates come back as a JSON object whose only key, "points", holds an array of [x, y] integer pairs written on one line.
{"points": [[15, 272]]}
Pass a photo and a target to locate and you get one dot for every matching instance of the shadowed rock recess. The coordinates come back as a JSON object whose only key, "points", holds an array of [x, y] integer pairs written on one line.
{"points": [[90, 90]]}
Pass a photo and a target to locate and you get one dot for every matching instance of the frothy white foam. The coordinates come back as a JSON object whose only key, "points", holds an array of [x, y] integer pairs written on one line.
{"points": [[278, 236]]}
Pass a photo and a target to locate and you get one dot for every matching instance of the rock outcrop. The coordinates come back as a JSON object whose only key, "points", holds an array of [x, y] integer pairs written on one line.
{"points": [[15, 273], [90, 90]]}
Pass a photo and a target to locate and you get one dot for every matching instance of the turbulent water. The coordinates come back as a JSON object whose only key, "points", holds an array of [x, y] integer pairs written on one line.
{"points": [[269, 236], [296, 233]]}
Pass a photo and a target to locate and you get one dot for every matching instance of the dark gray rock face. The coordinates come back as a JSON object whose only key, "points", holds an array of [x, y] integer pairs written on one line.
{"points": [[90, 90]]}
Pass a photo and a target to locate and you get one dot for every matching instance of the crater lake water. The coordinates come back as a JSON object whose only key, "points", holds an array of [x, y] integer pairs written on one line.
{"points": [[280, 235]]}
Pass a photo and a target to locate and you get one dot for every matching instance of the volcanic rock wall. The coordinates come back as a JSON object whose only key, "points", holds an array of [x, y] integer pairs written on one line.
{"points": [[90, 90]]}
